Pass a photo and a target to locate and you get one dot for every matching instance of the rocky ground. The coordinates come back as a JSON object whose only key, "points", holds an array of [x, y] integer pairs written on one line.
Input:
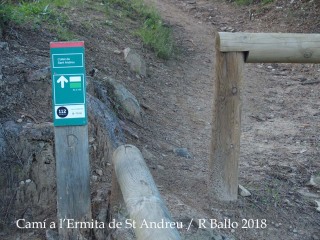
{"points": [[280, 122]]}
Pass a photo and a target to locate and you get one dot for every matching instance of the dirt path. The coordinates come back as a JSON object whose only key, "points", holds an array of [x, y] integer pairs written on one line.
{"points": [[185, 94], [181, 115]]}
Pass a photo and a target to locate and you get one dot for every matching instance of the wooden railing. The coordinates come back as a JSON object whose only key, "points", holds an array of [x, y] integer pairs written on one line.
{"points": [[232, 51]]}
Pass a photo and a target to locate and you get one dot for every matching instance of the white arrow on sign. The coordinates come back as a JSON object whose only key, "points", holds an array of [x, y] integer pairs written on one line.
{"points": [[62, 80]]}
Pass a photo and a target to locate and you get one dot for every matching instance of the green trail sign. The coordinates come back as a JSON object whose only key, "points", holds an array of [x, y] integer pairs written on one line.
{"points": [[68, 83]]}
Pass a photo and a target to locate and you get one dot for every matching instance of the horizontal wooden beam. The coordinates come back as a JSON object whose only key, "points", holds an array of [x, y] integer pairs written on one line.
{"points": [[146, 208], [272, 47]]}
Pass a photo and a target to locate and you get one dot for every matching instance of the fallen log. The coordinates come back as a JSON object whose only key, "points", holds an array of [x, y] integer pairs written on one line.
{"points": [[147, 210]]}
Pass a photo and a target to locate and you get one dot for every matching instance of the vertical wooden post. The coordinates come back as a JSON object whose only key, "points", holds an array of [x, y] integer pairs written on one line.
{"points": [[226, 127], [73, 180]]}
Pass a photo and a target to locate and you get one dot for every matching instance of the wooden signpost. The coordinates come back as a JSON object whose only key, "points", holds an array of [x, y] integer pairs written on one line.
{"points": [[232, 51], [71, 137]]}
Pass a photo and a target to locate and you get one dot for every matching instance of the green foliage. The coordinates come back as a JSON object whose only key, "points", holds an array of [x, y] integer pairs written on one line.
{"points": [[153, 32], [129, 8], [159, 37], [244, 2], [36, 13], [3, 13], [49, 13], [248, 2], [27, 11], [266, 1]]}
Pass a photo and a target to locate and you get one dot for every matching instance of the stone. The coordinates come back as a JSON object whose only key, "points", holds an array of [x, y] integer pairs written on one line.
{"points": [[94, 178], [318, 205], [243, 191], [51, 235], [315, 237], [31, 193], [4, 46], [27, 215], [100, 234], [160, 167], [147, 155], [182, 152], [28, 181], [108, 22], [135, 61], [314, 181], [93, 72], [102, 216], [306, 193], [99, 172], [20, 59], [3, 144], [43, 173], [126, 100], [230, 29], [288, 202], [39, 75], [91, 139], [303, 151], [39, 184]]}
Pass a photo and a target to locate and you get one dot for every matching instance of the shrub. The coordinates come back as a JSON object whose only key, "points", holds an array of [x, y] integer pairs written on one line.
{"points": [[153, 32]]}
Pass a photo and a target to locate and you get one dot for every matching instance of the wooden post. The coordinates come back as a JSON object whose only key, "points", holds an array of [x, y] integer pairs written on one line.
{"points": [[142, 197], [226, 127], [73, 179]]}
